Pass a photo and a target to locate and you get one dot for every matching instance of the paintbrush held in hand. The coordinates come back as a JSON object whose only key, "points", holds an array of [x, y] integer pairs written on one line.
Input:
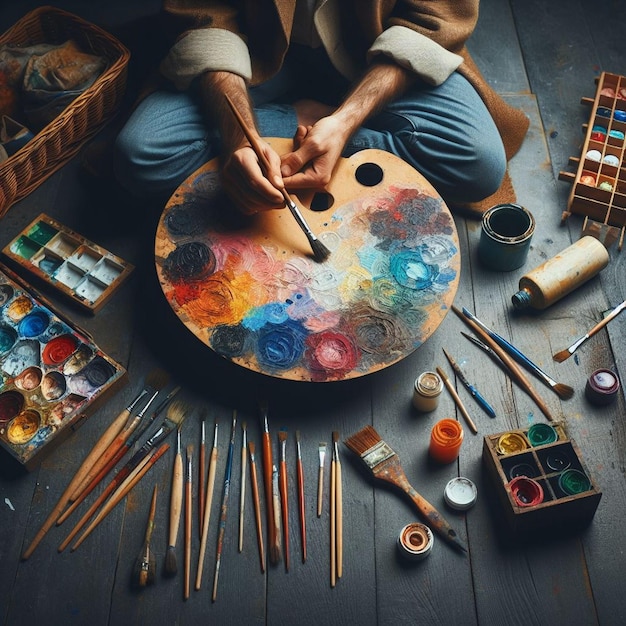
{"points": [[384, 464], [566, 354], [320, 251]]}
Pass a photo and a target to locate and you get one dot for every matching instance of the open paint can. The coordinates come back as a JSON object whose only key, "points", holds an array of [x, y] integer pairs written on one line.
{"points": [[507, 230]]}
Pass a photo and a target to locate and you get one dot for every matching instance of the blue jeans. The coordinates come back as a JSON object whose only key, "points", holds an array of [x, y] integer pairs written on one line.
{"points": [[444, 132]]}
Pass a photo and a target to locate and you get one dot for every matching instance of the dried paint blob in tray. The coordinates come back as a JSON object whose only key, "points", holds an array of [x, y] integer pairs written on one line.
{"points": [[75, 266], [51, 375], [249, 288]]}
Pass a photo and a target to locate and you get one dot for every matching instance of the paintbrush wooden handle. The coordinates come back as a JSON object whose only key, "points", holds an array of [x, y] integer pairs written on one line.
{"points": [[201, 486], [257, 506], [133, 478], [339, 514], [430, 514], [300, 478], [105, 439], [511, 365], [176, 499], [457, 400], [188, 513], [102, 462], [269, 496], [92, 485], [97, 451], [333, 524], [207, 515], [285, 511], [320, 489]]}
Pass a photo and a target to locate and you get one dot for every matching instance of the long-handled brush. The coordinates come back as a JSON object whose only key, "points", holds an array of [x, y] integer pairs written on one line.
{"points": [[565, 392], [567, 353], [320, 251], [176, 502], [145, 566], [385, 465]]}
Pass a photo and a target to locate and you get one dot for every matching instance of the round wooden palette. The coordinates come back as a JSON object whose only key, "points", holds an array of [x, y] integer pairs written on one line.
{"points": [[250, 289]]}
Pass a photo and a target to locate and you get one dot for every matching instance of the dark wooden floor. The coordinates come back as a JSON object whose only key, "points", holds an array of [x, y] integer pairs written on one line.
{"points": [[544, 56]]}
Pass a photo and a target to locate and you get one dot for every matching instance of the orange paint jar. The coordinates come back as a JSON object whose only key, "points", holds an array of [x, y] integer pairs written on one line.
{"points": [[446, 438]]}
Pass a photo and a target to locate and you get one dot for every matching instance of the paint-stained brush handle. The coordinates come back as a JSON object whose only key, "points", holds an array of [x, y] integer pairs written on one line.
{"points": [[105, 439]]}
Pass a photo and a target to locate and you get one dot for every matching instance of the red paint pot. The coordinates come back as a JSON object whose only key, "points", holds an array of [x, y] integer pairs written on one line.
{"points": [[526, 491], [59, 349], [11, 403]]}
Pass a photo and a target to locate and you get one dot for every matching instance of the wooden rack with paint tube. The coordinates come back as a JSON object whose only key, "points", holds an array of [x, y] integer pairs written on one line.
{"points": [[57, 256], [541, 480], [599, 184]]}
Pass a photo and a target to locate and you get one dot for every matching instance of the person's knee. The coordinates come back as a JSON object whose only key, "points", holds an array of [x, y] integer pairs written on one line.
{"points": [[483, 174]]}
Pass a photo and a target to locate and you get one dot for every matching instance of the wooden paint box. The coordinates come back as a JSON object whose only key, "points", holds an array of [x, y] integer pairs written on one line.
{"points": [[78, 268], [599, 184], [570, 497], [52, 374]]}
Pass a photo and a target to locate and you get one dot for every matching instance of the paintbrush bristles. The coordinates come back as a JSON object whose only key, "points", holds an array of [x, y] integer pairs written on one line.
{"points": [[362, 441], [157, 379], [561, 356], [565, 392]]}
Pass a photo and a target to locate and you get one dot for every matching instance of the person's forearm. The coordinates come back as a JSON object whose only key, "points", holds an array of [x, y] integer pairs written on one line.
{"points": [[382, 83], [213, 86]]}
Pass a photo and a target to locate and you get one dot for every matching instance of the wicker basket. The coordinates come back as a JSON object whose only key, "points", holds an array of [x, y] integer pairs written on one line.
{"points": [[62, 138]]}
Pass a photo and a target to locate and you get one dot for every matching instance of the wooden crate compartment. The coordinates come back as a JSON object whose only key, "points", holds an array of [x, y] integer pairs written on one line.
{"points": [[545, 464]]}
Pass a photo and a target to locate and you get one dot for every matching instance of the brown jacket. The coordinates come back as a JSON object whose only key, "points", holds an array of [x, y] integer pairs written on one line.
{"points": [[251, 38]]}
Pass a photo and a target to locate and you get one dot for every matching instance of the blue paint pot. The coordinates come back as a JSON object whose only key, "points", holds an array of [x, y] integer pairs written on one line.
{"points": [[507, 230]]}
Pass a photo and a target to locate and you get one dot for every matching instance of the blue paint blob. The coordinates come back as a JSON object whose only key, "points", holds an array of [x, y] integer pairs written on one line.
{"points": [[409, 269], [280, 347], [33, 324], [273, 313]]}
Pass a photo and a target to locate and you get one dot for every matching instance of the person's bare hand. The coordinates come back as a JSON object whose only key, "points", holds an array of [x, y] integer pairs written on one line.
{"points": [[317, 150], [246, 184]]}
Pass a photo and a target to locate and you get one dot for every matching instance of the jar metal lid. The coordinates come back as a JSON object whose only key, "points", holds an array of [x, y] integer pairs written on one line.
{"points": [[460, 493], [429, 384]]}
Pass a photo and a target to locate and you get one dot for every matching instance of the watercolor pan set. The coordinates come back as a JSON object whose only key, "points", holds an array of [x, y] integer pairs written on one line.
{"points": [[75, 266], [599, 184], [540, 478], [52, 375]]}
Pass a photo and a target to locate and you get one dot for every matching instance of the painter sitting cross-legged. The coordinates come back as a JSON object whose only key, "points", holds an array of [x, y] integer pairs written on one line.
{"points": [[337, 76]]}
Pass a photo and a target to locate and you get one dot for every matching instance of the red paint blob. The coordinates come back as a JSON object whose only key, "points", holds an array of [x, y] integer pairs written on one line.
{"points": [[59, 349], [331, 353]]}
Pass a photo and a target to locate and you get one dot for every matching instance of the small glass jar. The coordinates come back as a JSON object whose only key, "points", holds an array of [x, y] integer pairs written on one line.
{"points": [[426, 391], [446, 438], [415, 541]]}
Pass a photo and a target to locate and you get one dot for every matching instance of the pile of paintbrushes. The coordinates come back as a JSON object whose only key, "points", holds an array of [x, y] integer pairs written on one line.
{"points": [[114, 443]]}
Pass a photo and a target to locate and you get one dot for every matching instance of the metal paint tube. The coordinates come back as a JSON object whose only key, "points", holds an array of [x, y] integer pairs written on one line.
{"points": [[507, 230]]}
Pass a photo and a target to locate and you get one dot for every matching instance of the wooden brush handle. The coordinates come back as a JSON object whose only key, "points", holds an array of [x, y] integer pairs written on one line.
{"points": [[131, 480], [97, 479], [511, 365], [176, 499], [207, 515], [114, 429], [333, 523], [320, 490], [339, 514], [188, 513], [201, 487], [105, 439], [269, 496], [102, 462], [257, 506], [300, 478], [242, 495], [285, 510]]}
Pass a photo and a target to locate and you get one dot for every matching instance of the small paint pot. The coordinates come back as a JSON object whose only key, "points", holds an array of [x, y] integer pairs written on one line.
{"points": [[526, 491], [611, 159], [446, 438], [460, 493], [415, 541], [616, 134], [593, 155], [603, 112], [507, 230], [573, 482], [587, 178], [605, 185], [602, 387], [541, 435], [510, 443], [620, 116], [426, 391]]}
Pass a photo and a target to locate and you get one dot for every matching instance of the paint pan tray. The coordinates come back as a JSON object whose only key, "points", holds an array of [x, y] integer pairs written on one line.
{"points": [[52, 375], [76, 267], [541, 480]]}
